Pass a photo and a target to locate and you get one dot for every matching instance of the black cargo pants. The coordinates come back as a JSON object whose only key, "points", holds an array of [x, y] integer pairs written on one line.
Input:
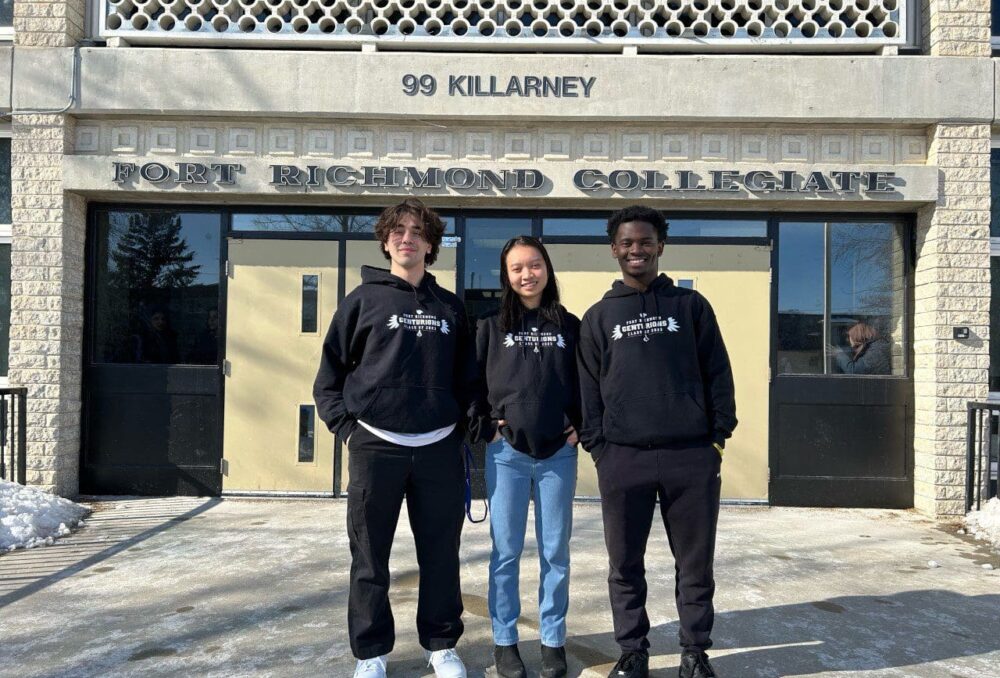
{"points": [[432, 480]]}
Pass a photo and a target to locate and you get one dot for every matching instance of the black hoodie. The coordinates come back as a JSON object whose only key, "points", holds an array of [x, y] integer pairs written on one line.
{"points": [[654, 372], [397, 357], [532, 381]]}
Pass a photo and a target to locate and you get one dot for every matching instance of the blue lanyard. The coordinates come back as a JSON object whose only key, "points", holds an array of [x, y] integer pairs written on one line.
{"points": [[470, 464]]}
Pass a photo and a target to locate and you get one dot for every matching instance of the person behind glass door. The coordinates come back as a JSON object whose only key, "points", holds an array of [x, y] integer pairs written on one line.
{"points": [[206, 345], [658, 405], [527, 354], [397, 371], [868, 352], [157, 341]]}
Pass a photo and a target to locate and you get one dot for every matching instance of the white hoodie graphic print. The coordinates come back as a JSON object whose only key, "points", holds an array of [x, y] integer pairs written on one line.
{"points": [[534, 340], [418, 322], [643, 326]]}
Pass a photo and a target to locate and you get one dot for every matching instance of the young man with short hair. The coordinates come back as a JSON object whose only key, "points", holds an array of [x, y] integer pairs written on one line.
{"points": [[397, 369], [658, 406]]}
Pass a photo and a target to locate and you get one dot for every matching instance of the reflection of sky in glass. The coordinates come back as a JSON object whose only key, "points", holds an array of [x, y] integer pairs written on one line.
{"points": [[484, 240], [316, 223], [861, 268], [800, 273], [716, 228], [304, 223], [686, 228], [573, 226]]}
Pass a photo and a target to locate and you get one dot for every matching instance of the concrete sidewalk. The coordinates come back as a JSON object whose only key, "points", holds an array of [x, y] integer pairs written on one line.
{"points": [[196, 587]]}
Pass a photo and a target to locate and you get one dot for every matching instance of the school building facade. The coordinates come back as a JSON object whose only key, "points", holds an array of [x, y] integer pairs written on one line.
{"points": [[191, 186]]}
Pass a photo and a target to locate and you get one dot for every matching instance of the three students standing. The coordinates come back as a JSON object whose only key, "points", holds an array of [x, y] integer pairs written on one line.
{"points": [[399, 371]]}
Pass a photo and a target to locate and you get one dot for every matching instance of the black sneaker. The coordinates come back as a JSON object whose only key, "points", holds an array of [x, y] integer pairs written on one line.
{"points": [[508, 662], [631, 665], [553, 662], [695, 664]]}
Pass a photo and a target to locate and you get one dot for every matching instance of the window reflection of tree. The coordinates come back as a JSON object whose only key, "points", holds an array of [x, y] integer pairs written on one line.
{"points": [[150, 272], [865, 259], [867, 283]]}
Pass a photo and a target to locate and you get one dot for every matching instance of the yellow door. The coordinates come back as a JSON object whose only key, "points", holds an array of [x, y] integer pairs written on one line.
{"points": [[736, 279], [367, 253], [281, 296]]}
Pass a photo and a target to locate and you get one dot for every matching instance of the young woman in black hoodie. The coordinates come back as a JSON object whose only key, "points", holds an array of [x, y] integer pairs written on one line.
{"points": [[527, 352]]}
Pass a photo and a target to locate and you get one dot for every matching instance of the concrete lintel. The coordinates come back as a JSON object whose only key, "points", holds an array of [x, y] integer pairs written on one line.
{"points": [[92, 175], [717, 88]]}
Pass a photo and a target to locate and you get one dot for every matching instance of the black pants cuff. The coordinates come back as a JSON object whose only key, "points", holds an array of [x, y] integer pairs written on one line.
{"points": [[372, 651]]}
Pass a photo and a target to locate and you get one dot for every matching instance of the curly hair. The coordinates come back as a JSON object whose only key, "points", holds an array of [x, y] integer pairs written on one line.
{"points": [[428, 218], [638, 213]]}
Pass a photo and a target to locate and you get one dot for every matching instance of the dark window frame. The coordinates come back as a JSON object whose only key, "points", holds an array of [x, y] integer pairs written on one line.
{"points": [[908, 223]]}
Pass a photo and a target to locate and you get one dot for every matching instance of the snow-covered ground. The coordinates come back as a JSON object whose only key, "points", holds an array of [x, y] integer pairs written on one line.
{"points": [[985, 523], [30, 517]]}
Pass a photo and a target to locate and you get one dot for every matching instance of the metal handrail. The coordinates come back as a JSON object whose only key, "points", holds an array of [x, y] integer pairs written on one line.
{"points": [[982, 440], [14, 434]]}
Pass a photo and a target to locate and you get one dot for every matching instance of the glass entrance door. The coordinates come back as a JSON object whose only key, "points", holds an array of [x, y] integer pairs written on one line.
{"points": [[842, 398], [152, 416]]}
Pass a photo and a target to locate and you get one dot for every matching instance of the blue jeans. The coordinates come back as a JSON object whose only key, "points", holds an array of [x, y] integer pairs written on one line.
{"points": [[510, 477]]}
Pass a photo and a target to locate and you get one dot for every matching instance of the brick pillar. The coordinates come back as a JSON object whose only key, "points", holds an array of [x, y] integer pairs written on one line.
{"points": [[49, 23], [956, 28], [47, 299], [952, 287]]}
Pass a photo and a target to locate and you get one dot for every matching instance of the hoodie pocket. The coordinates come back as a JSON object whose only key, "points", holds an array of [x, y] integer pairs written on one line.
{"points": [[411, 409], [532, 427], [656, 418]]}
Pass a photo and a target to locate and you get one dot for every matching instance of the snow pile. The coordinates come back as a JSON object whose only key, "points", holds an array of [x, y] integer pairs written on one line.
{"points": [[985, 524], [30, 517]]}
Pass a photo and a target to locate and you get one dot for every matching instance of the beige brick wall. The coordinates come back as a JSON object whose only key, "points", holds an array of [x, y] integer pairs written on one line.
{"points": [[49, 23], [952, 287], [47, 299], [956, 27]]}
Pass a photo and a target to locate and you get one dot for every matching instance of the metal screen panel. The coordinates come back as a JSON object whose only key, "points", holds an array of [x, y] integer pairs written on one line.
{"points": [[577, 25]]}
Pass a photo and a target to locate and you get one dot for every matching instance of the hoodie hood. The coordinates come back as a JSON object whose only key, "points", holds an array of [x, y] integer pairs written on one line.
{"points": [[372, 275], [618, 289]]}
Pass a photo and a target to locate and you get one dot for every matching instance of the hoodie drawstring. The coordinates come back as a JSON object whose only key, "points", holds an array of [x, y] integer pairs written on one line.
{"points": [[642, 315]]}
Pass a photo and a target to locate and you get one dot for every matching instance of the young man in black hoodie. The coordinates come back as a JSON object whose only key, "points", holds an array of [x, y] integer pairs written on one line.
{"points": [[398, 368], [658, 406]]}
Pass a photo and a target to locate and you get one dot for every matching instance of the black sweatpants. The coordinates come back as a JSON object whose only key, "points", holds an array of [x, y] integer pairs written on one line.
{"points": [[432, 480], [687, 482]]}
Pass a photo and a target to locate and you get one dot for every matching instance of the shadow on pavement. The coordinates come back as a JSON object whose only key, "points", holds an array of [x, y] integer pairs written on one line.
{"points": [[849, 633], [68, 569]]}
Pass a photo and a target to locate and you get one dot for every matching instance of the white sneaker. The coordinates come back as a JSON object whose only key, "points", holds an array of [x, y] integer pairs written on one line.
{"points": [[446, 663], [370, 668]]}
